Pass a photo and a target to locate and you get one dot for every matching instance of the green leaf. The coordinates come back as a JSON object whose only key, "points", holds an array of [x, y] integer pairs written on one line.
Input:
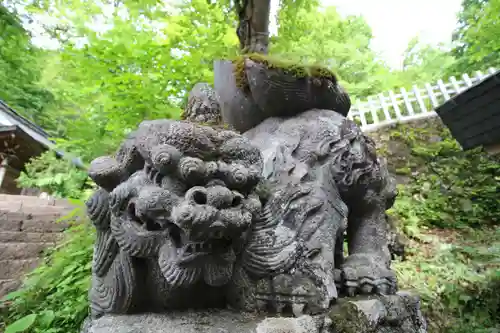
{"points": [[22, 325], [11, 296], [46, 318]]}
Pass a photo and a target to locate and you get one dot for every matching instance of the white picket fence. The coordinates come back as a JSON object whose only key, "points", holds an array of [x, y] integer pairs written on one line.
{"points": [[407, 105]]}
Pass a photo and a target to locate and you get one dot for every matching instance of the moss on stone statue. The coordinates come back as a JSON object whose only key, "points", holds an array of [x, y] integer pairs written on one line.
{"points": [[346, 318], [293, 68]]}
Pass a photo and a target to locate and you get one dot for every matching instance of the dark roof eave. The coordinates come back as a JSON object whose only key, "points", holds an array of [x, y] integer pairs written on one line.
{"points": [[34, 131], [458, 113]]}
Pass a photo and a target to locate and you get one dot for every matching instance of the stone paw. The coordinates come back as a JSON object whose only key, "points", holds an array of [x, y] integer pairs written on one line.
{"points": [[367, 274]]}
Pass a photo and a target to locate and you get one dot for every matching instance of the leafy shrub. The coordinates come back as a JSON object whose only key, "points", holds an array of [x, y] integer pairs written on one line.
{"points": [[54, 296], [456, 273], [449, 187], [58, 177], [457, 276]]}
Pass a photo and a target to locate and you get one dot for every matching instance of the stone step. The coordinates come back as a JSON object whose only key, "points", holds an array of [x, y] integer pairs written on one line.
{"points": [[32, 200], [8, 207], [41, 222], [14, 269], [30, 237], [7, 286], [17, 250]]}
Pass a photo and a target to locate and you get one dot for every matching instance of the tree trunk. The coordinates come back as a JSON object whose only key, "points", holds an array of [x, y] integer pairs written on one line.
{"points": [[253, 27]]}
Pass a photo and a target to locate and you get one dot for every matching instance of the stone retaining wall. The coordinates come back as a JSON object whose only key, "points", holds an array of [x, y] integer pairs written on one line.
{"points": [[28, 226]]}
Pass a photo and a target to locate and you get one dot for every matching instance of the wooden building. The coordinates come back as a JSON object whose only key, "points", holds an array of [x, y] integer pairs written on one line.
{"points": [[20, 140], [473, 116]]}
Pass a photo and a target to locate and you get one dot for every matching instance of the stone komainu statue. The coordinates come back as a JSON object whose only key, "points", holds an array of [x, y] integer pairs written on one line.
{"points": [[191, 216]]}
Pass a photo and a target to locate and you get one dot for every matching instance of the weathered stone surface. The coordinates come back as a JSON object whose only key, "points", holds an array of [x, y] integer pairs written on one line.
{"points": [[309, 150], [8, 285], [21, 250], [398, 313], [201, 322], [191, 219], [202, 106], [13, 269], [40, 220], [29, 237]]}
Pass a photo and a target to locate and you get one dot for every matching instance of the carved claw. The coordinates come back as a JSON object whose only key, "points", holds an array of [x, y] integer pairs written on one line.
{"points": [[367, 274]]}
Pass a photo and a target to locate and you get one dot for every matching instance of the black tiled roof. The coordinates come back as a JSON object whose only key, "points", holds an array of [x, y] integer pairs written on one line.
{"points": [[473, 116]]}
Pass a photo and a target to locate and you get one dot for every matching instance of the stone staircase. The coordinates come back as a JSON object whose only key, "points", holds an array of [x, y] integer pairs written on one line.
{"points": [[28, 226]]}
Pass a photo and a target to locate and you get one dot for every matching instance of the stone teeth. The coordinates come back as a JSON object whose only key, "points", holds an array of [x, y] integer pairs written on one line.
{"points": [[191, 248]]}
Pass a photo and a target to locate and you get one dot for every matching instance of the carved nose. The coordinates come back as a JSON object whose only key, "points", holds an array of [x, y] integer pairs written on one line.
{"points": [[216, 230], [219, 196]]}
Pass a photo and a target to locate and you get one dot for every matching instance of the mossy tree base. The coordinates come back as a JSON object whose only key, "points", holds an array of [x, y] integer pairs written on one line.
{"points": [[255, 87], [284, 66]]}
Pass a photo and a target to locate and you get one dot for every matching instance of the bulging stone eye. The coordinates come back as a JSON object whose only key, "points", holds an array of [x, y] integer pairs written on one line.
{"points": [[197, 195]]}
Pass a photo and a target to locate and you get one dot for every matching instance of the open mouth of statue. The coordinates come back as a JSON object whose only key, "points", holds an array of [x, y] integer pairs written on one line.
{"points": [[194, 250]]}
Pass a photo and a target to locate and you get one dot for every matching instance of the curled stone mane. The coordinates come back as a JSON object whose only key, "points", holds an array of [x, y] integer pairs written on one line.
{"points": [[356, 168], [350, 192]]}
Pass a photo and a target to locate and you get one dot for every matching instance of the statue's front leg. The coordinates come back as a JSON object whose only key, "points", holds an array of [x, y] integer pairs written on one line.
{"points": [[367, 268], [368, 190]]}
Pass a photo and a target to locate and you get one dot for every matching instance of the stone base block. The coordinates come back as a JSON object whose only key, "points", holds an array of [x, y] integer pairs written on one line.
{"points": [[398, 313]]}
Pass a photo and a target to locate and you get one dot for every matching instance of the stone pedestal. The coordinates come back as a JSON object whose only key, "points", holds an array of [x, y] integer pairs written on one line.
{"points": [[399, 313]]}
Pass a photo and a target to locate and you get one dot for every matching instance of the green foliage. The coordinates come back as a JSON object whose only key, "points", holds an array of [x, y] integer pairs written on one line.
{"points": [[140, 67], [22, 325], [476, 39], [20, 71], [344, 47], [56, 176], [423, 63], [456, 273], [54, 296], [457, 276], [126, 61], [450, 188]]}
